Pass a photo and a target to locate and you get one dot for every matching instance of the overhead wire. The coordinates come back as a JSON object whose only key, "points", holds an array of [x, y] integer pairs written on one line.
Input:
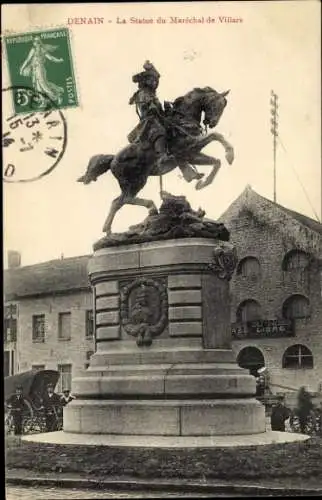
{"points": [[299, 180]]}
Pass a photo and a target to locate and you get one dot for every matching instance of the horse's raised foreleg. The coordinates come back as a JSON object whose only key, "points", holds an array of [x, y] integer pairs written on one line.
{"points": [[202, 159], [204, 141], [215, 136], [229, 150]]}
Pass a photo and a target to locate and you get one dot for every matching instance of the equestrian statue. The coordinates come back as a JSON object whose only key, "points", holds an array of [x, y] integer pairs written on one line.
{"points": [[165, 138]]}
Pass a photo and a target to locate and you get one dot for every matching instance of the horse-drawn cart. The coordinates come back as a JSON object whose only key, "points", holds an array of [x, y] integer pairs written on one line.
{"points": [[33, 384]]}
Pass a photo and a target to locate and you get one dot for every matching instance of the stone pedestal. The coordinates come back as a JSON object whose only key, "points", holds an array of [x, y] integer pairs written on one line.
{"points": [[163, 365]]}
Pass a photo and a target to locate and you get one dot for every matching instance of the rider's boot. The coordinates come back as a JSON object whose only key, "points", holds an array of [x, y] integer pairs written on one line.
{"points": [[190, 173]]}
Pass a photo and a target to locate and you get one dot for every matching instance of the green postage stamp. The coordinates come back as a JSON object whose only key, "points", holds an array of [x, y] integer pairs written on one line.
{"points": [[41, 70]]}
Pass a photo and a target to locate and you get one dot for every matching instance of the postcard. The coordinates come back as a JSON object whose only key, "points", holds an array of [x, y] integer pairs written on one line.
{"points": [[129, 123]]}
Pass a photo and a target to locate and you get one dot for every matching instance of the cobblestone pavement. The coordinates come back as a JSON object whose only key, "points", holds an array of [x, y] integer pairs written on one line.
{"points": [[42, 493]]}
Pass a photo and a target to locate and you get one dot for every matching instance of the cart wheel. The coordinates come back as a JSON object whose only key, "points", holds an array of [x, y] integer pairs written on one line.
{"points": [[27, 425], [60, 424], [295, 423], [310, 425], [9, 427], [42, 424], [319, 426]]}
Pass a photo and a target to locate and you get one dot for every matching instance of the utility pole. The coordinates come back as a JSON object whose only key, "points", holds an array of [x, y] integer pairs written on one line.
{"points": [[274, 131]]}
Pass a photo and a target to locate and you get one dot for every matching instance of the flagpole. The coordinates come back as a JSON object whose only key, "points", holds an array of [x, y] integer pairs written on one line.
{"points": [[274, 131]]}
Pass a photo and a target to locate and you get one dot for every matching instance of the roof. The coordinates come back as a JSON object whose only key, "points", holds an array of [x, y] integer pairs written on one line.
{"points": [[299, 229], [50, 277], [312, 224]]}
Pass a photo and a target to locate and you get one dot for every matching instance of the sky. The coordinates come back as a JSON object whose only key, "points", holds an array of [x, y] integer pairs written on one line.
{"points": [[276, 46]]}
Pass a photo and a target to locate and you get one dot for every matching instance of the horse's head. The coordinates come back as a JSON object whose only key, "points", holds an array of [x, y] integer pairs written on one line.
{"points": [[214, 104]]}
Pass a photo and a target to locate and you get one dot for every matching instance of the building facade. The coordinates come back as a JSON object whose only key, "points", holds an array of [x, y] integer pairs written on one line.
{"points": [[276, 301], [276, 293], [53, 325]]}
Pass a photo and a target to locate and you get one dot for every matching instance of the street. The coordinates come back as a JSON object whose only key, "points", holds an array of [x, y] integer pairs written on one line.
{"points": [[43, 493]]}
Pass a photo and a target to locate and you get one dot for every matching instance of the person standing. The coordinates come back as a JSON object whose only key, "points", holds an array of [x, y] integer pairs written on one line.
{"points": [[260, 386], [304, 408], [52, 406], [18, 406], [319, 419], [66, 397], [280, 413]]}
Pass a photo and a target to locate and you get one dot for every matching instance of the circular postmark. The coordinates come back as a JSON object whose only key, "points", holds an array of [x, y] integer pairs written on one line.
{"points": [[34, 142]]}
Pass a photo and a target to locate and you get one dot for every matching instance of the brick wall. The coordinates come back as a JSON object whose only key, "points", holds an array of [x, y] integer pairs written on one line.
{"points": [[262, 239], [54, 351]]}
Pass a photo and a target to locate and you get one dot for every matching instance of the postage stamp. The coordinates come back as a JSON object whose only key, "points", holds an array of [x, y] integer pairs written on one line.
{"points": [[41, 62], [34, 143]]}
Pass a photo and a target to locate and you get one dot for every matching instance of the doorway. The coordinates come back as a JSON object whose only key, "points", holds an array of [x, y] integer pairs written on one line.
{"points": [[251, 359]]}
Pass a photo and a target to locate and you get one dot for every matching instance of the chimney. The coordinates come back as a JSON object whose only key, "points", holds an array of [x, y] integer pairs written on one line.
{"points": [[14, 259]]}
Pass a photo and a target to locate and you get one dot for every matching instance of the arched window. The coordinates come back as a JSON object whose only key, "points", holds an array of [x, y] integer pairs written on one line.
{"points": [[296, 307], [248, 310], [249, 267], [251, 358], [297, 356], [296, 260]]}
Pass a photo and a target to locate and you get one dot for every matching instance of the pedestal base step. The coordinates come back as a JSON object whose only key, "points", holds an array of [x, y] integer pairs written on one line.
{"points": [[185, 417], [174, 442]]}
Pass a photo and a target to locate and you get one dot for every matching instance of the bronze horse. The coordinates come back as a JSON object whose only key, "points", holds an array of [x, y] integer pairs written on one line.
{"points": [[133, 165]]}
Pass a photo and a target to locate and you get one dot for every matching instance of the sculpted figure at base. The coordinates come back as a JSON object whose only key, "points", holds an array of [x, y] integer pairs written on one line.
{"points": [[164, 139], [176, 219]]}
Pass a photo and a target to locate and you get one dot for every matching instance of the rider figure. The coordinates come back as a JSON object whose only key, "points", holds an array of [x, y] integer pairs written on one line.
{"points": [[151, 128]]}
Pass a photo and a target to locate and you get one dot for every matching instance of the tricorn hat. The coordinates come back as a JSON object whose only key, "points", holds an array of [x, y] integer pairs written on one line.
{"points": [[149, 70]]}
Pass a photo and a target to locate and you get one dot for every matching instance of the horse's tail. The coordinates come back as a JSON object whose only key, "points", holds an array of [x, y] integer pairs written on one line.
{"points": [[97, 166]]}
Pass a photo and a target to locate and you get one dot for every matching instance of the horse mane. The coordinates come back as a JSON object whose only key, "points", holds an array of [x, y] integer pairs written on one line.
{"points": [[205, 90]]}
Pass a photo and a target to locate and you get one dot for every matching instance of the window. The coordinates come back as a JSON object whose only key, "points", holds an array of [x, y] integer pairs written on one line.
{"points": [[6, 363], [38, 367], [38, 328], [297, 357], [64, 326], [296, 260], [249, 267], [65, 379], [249, 310], [12, 309], [88, 357], [10, 329], [251, 359], [89, 330], [10, 323], [296, 307]]}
